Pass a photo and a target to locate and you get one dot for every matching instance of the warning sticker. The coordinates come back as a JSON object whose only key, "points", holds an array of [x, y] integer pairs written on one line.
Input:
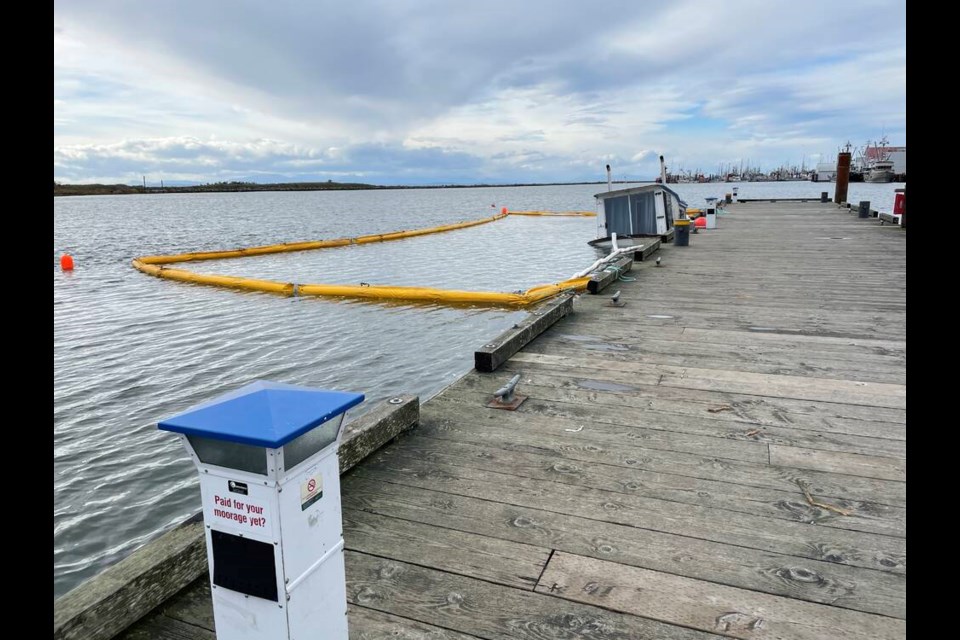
{"points": [[311, 490]]}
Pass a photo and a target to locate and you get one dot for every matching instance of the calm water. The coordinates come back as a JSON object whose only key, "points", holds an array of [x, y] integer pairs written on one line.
{"points": [[130, 349]]}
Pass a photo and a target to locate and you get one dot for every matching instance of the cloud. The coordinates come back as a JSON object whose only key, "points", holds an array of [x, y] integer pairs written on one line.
{"points": [[503, 89], [177, 160]]}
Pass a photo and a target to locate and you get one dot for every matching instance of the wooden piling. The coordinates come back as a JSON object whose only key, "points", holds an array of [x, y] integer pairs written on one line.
{"points": [[491, 355], [843, 177]]}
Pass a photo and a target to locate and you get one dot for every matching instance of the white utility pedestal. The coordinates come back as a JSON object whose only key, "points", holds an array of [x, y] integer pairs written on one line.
{"points": [[270, 486], [711, 213]]}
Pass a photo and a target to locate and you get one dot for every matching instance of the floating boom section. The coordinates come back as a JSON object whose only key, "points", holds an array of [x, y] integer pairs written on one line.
{"points": [[156, 266], [556, 214], [315, 244]]}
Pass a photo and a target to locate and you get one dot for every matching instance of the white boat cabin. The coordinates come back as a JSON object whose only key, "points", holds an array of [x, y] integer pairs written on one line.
{"points": [[638, 212]]}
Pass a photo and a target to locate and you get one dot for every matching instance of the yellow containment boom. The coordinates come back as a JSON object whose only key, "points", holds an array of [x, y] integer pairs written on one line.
{"points": [[315, 244], [556, 214], [154, 265]]}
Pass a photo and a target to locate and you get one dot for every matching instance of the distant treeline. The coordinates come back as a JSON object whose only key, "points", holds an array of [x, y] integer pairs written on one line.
{"points": [[112, 189]]}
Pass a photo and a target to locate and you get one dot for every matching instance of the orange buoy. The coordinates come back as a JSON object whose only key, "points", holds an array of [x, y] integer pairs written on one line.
{"points": [[66, 262], [701, 222], [503, 211]]}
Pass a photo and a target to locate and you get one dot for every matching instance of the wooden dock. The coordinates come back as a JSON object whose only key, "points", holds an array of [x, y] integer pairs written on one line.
{"points": [[723, 456]]}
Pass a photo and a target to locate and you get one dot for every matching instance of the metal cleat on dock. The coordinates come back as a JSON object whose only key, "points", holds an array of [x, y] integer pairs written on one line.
{"points": [[615, 300], [505, 398]]}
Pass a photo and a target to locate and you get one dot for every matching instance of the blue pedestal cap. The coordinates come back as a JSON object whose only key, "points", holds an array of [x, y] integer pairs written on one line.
{"points": [[262, 413]]}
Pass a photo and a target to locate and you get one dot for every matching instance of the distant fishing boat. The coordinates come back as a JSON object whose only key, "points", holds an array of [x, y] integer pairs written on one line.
{"points": [[879, 171], [879, 166]]}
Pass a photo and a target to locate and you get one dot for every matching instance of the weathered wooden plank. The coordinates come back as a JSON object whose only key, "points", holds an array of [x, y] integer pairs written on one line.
{"points": [[650, 340], [193, 605], [637, 456], [878, 324], [491, 355], [877, 399], [193, 620], [714, 299], [370, 431], [734, 612], [645, 250], [748, 285], [686, 342], [888, 217], [489, 611], [119, 596], [780, 318], [688, 302], [610, 274], [693, 276], [532, 428], [670, 432], [159, 627], [788, 267], [638, 386], [537, 464], [626, 357], [856, 548], [754, 337], [871, 394], [491, 559], [368, 624], [835, 462], [817, 580], [610, 389], [721, 424], [681, 354]]}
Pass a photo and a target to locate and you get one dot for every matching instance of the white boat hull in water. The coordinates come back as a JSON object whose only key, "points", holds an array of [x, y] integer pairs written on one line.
{"points": [[878, 175]]}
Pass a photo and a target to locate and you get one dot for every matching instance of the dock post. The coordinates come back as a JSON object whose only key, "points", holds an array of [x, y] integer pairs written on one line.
{"points": [[864, 210], [710, 213], [843, 177], [275, 555], [824, 196]]}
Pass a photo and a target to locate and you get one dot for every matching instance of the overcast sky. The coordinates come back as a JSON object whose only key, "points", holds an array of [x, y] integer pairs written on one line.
{"points": [[453, 92]]}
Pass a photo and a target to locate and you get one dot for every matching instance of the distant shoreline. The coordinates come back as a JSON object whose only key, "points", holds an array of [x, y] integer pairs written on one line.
{"points": [[238, 187]]}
